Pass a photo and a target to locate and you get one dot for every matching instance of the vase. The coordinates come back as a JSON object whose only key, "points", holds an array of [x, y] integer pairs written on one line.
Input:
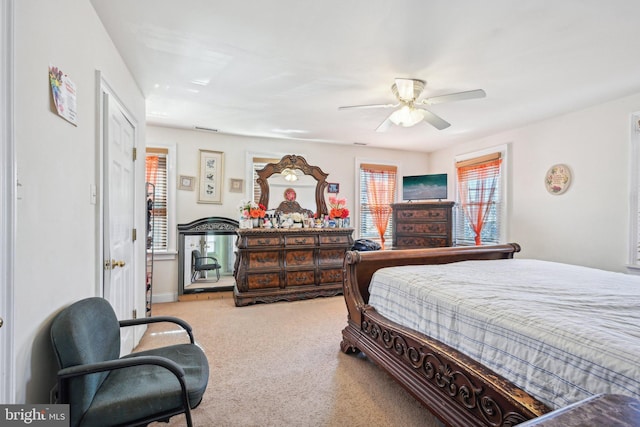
{"points": [[255, 222], [339, 223]]}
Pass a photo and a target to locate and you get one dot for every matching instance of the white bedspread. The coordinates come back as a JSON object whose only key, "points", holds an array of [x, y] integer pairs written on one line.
{"points": [[560, 332]]}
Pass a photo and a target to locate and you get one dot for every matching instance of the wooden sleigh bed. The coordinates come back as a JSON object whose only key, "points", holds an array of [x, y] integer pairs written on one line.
{"points": [[457, 389]]}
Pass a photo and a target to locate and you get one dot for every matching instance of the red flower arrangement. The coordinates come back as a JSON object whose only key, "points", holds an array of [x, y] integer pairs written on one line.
{"points": [[258, 212], [338, 209], [252, 210]]}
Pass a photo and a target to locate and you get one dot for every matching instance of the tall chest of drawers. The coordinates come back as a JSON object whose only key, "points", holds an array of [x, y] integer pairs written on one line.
{"points": [[422, 225], [289, 264]]}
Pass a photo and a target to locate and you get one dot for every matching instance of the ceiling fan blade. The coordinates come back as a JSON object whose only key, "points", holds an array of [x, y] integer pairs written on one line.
{"points": [[436, 121], [347, 107], [384, 125], [459, 96]]}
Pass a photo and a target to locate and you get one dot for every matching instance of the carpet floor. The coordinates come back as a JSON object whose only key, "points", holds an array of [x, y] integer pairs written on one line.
{"points": [[280, 364]]}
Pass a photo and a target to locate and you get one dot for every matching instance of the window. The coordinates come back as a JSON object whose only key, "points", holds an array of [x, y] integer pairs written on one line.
{"points": [[480, 202], [377, 193], [634, 215], [259, 163], [160, 166]]}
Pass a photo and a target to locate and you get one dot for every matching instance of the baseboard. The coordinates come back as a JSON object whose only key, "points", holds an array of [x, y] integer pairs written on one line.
{"points": [[205, 296], [168, 297]]}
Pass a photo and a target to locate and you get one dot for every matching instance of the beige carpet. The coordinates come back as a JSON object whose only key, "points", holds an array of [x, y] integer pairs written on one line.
{"points": [[280, 365]]}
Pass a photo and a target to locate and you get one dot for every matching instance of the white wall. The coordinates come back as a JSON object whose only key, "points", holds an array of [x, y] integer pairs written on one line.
{"points": [[337, 160], [587, 225], [57, 226]]}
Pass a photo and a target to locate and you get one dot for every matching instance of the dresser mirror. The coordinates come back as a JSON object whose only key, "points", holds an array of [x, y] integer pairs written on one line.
{"points": [[293, 177]]}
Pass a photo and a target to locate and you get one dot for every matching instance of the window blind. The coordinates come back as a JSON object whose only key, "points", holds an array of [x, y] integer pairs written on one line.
{"points": [[157, 174], [258, 164]]}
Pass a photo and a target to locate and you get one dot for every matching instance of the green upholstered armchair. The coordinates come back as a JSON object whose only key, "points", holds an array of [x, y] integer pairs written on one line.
{"points": [[104, 389]]}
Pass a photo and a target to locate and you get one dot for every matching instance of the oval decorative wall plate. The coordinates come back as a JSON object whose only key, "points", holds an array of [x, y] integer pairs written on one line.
{"points": [[558, 179]]}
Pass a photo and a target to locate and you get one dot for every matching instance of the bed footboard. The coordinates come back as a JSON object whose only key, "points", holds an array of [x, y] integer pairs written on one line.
{"points": [[457, 389]]}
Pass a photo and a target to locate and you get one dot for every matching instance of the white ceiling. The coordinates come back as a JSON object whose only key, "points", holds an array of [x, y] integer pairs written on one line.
{"points": [[281, 68]]}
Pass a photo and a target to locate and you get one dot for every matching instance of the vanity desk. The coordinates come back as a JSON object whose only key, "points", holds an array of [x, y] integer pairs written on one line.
{"points": [[289, 264]]}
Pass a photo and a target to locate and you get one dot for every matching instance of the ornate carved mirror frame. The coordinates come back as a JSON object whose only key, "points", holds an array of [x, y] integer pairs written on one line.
{"points": [[291, 161]]}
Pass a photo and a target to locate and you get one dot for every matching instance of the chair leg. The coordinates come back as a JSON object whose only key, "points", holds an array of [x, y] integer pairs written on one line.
{"points": [[187, 415]]}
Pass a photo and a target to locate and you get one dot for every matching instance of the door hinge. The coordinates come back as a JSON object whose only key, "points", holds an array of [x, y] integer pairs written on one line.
{"points": [[135, 313], [135, 154], [134, 234]]}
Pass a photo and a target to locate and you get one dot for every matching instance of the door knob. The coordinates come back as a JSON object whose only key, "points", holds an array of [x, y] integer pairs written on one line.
{"points": [[110, 265], [1, 322]]}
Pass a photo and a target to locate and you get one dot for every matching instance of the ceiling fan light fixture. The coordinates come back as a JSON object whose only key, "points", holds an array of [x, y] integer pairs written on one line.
{"points": [[407, 116], [289, 175], [407, 89]]}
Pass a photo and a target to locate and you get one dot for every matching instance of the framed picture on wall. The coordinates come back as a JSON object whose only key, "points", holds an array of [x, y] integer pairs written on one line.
{"points": [[210, 183], [236, 185], [333, 188], [187, 183]]}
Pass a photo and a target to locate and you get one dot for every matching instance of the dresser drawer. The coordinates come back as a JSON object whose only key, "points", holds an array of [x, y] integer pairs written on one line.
{"points": [[333, 275], [299, 257], [300, 240], [266, 259], [421, 241], [299, 278], [334, 240], [433, 214], [439, 228], [331, 256], [260, 241], [263, 280]]}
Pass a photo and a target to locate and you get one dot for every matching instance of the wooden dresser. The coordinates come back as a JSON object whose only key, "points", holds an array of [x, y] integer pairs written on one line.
{"points": [[422, 225], [289, 264]]}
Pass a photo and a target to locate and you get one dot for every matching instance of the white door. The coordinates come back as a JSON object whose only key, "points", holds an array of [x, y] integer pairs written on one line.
{"points": [[7, 205], [119, 211]]}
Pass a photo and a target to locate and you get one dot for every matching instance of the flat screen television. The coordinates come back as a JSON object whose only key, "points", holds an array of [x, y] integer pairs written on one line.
{"points": [[424, 187]]}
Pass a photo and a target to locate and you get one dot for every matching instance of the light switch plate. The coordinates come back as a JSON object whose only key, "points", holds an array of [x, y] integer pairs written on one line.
{"points": [[93, 196]]}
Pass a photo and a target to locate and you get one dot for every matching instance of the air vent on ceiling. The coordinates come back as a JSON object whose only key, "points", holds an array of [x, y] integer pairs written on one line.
{"points": [[204, 129]]}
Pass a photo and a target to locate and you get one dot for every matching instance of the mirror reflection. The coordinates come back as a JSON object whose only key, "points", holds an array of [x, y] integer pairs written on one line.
{"points": [[208, 260], [304, 186], [206, 255]]}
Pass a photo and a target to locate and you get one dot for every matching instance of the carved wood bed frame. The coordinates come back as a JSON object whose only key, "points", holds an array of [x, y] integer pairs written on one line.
{"points": [[454, 387]]}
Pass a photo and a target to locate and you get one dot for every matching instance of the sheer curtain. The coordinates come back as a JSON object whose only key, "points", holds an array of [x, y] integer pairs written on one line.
{"points": [[151, 169], [381, 191], [478, 181]]}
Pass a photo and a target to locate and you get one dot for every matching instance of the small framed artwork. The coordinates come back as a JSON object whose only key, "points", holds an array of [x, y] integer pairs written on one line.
{"points": [[236, 185], [210, 180], [187, 183], [333, 188]]}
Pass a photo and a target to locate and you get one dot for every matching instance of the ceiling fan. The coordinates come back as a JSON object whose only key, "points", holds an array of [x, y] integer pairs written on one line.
{"points": [[411, 111]]}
